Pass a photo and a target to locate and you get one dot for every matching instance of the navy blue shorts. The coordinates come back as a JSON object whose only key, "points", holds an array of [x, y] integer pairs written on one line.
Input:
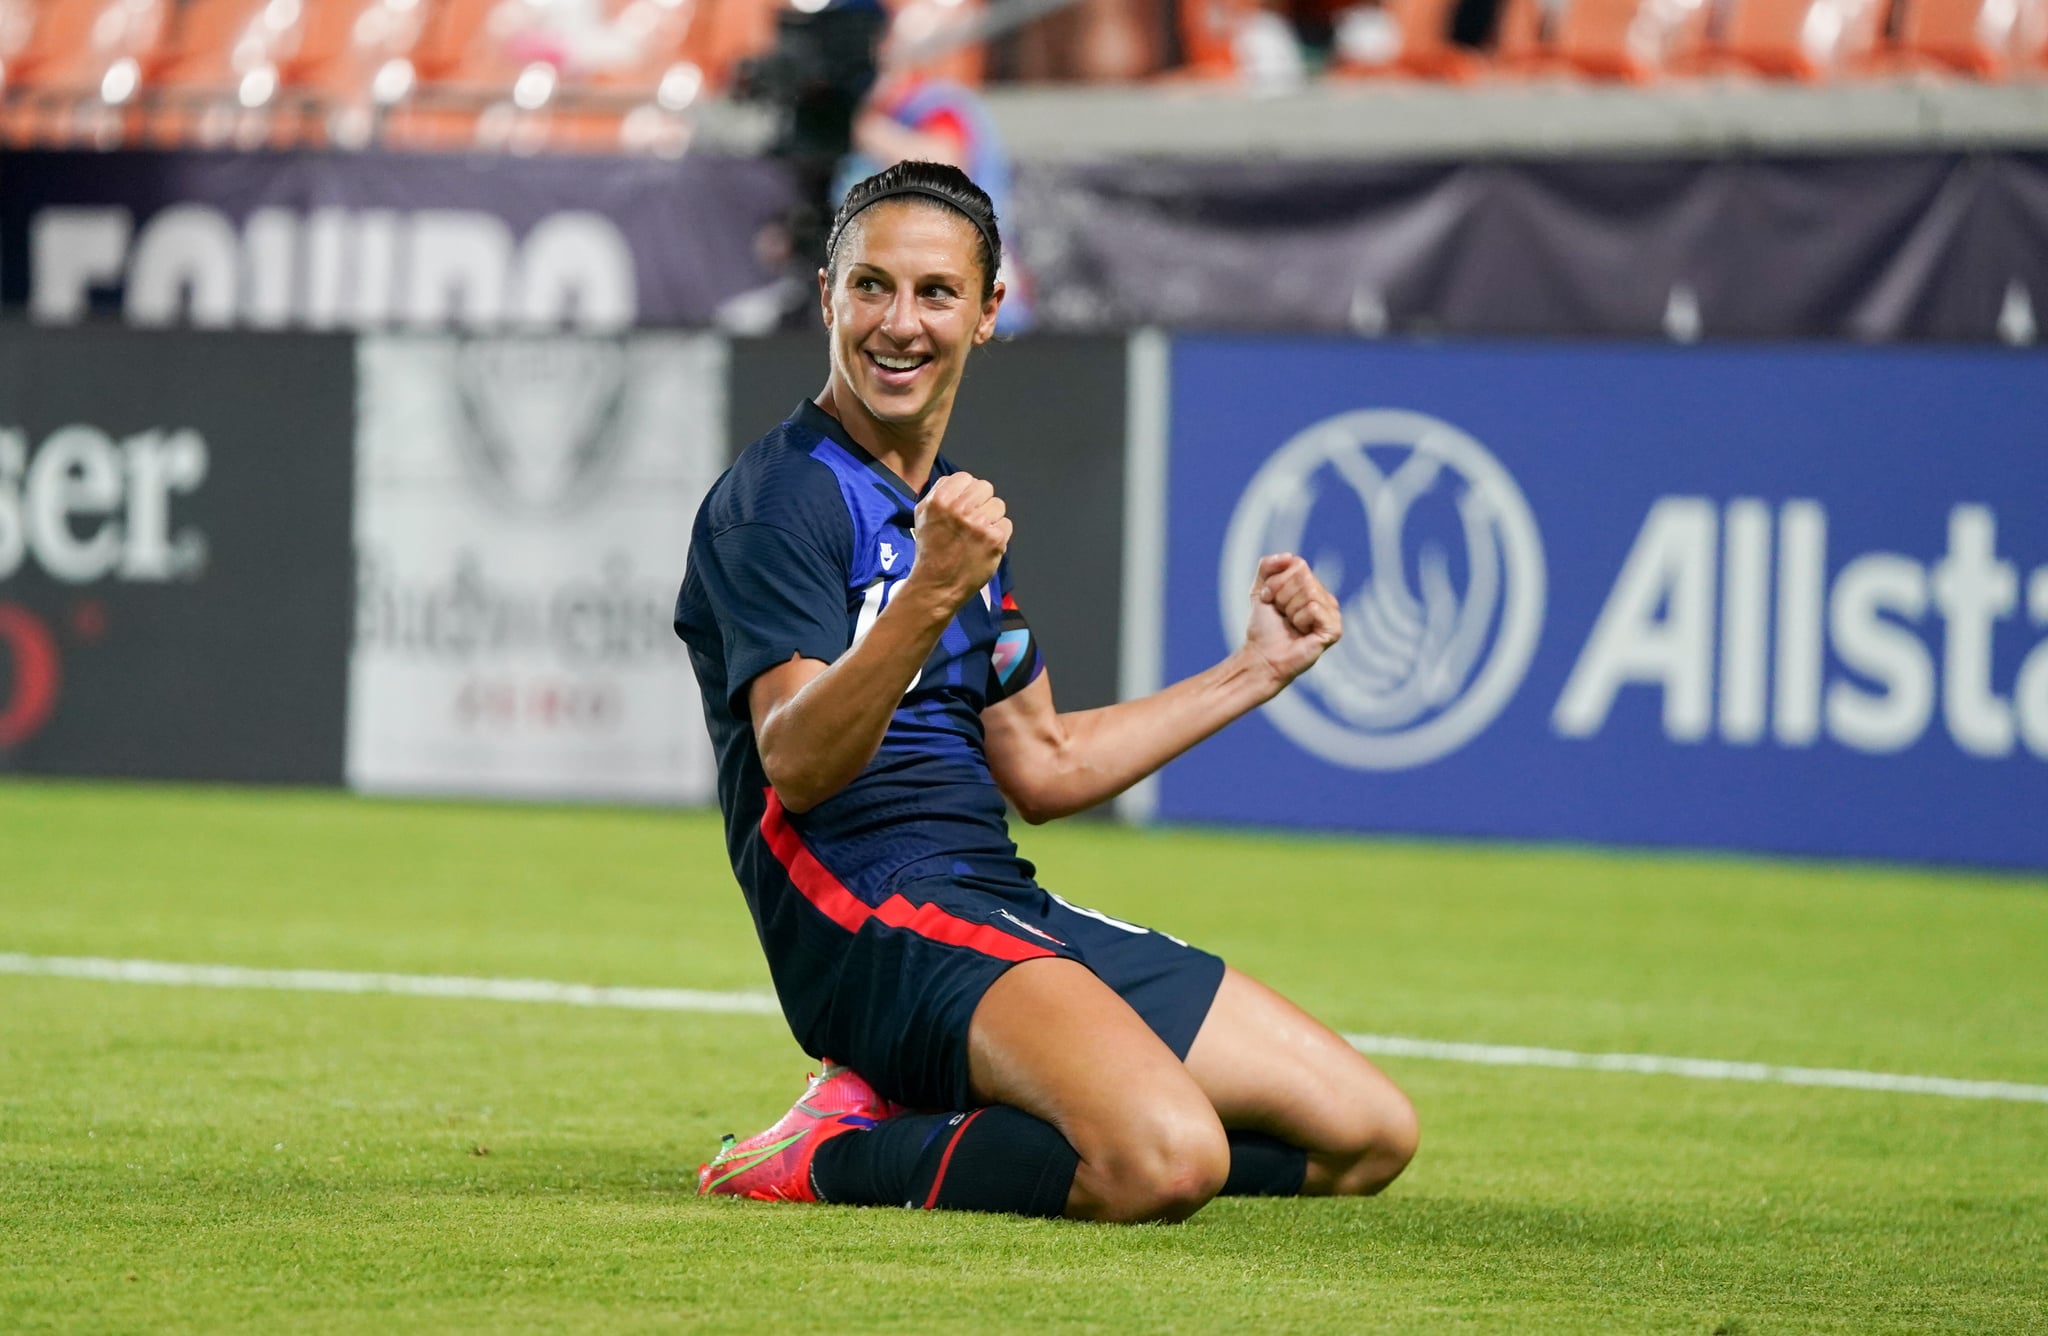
{"points": [[908, 976]]}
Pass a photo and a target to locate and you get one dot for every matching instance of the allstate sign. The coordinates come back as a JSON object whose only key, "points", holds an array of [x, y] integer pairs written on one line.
{"points": [[1788, 600], [1435, 662]]}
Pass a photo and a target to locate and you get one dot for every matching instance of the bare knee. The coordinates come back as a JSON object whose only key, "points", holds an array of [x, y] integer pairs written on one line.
{"points": [[1379, 1144], [1398, 1138], [1163, 1170]]}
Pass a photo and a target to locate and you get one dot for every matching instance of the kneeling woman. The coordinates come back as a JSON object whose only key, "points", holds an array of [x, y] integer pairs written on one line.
{"points": [[874, 696]]}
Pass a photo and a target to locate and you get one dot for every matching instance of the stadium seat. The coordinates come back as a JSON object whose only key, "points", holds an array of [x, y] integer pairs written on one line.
{"points": [[1640, 41], [76, 68], [217, 77], [1990, 39], [726, 32], [17, 29], [461, 69], [1803, 39], [448, 30], [275, 72], [1208, 34], [1519, 35], [1636, 40], [527, 76], [1407, 37], [640, 105], [353, 60]]}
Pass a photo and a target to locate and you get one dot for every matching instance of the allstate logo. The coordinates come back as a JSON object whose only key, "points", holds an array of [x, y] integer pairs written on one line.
{"points": [[1431, 550]]}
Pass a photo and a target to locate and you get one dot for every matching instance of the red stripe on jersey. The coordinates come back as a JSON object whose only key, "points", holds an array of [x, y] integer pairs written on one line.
{"points": [[1010, 602], [815, 882]]}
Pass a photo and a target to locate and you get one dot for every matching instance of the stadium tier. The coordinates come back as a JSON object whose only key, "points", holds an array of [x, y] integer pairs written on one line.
{"points": [[626, 75]]}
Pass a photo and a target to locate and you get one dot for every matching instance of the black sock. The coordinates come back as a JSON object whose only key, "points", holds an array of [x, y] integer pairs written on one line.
{"points": [[1264, 1166], [992, 1159]]}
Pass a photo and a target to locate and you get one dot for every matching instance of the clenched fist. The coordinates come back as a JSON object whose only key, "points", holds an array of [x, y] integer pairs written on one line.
{"points": [[962, 530], [1294, 619]]}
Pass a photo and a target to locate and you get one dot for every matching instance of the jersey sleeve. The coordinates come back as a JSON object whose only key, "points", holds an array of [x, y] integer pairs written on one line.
{"points": [[1016, 662], [775, 595]]}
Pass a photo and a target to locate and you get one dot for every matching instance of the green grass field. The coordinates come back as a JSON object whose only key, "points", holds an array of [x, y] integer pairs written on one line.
{"points": [[180, 1159]]}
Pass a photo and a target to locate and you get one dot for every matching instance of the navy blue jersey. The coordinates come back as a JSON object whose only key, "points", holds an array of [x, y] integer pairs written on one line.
{"points": [[796, 551], [888, 910]]}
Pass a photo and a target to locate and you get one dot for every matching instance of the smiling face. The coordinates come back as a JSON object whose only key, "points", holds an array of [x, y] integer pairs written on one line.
{"points": [[903, 306]]}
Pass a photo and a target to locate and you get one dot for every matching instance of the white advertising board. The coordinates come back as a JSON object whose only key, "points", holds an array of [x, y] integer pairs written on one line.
{"points": [[523, 510]]}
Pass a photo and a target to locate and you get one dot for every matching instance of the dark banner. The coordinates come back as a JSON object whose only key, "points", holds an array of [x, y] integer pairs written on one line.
{"points": [[373, 240], [1871, 247], [1042, 419], [176, 590], [1788, 599]]}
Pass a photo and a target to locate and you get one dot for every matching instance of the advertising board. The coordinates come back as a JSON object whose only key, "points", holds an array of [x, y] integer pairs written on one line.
{"points": [[174, 573], [1918, 245], [375, 240], [1784, 599], [522, 519]]}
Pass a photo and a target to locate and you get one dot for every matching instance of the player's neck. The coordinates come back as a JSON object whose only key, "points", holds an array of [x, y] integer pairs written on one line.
{"points": [[906, 449]]}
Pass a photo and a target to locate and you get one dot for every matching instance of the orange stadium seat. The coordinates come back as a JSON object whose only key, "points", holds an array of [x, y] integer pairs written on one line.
{"points": [[447, 31], [1637, 40], [354, 60], [441, 111], [1987, 38], [1804, 39], [217, 79], [273, 72], [533, 75], [75, 68], [1419, 33], [17, 31], [727, 32], [1208, 36], [1521, 36]]}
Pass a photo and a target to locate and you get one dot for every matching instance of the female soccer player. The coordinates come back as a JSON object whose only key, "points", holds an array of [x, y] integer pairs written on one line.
{"points": [[874, 695]]}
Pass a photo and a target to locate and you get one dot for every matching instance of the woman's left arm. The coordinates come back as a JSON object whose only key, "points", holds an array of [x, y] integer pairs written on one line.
{"points": [[1050, 764]]}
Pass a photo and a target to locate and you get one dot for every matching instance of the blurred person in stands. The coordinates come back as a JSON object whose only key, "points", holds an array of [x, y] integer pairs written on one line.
{"points": [[923, 108], [999, 1049]]}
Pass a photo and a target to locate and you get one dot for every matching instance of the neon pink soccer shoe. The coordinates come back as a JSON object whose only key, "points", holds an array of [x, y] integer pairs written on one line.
{"points": [[775, 1165]]}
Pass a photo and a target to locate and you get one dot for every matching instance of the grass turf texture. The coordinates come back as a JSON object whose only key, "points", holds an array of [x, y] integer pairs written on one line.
{"points": [[194, 1160]]}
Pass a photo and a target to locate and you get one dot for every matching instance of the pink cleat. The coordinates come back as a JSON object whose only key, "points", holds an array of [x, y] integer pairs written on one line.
{"points": [[775, 1165]]}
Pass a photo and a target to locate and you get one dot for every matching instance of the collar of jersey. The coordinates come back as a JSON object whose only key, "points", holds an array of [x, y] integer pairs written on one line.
{"points": [[815, 419]]}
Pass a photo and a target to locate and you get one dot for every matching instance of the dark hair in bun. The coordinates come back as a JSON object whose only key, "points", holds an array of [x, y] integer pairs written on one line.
{"points": [[933, 183]]}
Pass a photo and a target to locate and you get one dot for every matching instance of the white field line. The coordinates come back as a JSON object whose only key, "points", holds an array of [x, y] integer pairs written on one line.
{"points": [[1702, 1069], [411, 985], [764, 1004]]}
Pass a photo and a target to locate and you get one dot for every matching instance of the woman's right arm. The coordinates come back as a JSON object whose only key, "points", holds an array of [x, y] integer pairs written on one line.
{"points": [[816, 725]]}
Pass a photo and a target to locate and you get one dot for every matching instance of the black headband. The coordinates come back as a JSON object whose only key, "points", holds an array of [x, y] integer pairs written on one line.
{"points": [[911, 188]]}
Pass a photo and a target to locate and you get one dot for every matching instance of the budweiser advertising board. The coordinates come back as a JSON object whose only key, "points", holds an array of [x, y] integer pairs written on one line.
{"points": [[174, 570], [522, 520]]}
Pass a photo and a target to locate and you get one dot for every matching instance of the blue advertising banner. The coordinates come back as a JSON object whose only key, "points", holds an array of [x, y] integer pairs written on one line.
{"points": [[1780, 599]]}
